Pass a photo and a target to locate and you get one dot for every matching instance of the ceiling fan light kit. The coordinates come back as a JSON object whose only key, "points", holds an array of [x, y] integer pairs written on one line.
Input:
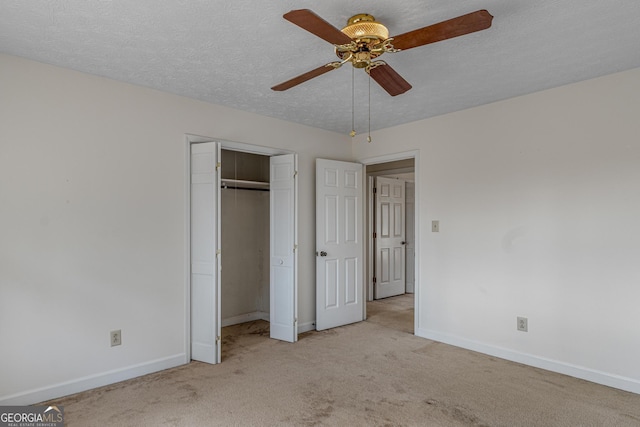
{"points": [[369, 39], [364, 25]]}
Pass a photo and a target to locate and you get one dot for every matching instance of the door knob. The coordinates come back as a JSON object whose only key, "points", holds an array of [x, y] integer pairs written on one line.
{"points": [[323, 253], [403, 243]]}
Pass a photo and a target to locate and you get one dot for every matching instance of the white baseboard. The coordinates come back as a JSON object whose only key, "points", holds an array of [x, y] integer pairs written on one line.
{"points": [[599, 377], [92, 381], [261, 315], [306, 327], [256, 315]]}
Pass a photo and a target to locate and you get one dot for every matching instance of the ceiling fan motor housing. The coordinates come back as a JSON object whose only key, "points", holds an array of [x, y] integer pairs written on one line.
{"points": [[367, 34]]}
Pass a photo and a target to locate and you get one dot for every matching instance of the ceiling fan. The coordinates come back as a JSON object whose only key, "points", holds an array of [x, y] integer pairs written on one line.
{"points": [[364, 39]]}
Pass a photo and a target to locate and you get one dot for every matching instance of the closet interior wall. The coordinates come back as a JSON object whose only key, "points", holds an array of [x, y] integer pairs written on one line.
{"points": [[245, 237]]}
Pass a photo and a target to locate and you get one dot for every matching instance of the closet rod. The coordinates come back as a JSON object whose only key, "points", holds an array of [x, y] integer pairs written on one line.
{"points": [[227, 187], [240, 184]]}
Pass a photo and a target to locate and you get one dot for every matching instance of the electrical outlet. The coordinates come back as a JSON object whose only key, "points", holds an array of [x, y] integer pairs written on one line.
{"points": [[435, 226], [523, 324], [116, 337]]}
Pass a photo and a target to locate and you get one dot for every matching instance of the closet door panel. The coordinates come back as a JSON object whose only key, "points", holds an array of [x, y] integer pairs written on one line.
{"points": [[283, 297]]}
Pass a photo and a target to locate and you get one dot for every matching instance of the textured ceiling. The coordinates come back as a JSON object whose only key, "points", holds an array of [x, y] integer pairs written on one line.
{"points": [[231, 52]]}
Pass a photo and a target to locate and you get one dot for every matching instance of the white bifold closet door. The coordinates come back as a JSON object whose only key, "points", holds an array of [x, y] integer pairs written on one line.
{"points": [[283, 311], [205, 255]]}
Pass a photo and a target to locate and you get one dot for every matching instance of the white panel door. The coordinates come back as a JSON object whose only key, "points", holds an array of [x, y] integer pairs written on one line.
{"points": [[390, 237], [205, 258], [283, 299], [410, 232], [339, 267]]}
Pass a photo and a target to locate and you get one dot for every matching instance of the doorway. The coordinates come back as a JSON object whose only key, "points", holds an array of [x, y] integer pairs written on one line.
{"points": [[401, 169], [391, 228]]}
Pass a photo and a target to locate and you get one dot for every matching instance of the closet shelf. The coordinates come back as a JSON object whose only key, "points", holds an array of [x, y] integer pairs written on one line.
{"points": [[239, 183]]}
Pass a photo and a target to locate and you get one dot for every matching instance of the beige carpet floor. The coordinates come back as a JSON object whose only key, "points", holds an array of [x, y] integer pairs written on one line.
{"points": [[372, 373]]}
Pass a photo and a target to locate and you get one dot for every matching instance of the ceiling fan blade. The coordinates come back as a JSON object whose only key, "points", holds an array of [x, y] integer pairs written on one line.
{"points": [[304, 77], [306, 19], [465, 24], [389, 79]]}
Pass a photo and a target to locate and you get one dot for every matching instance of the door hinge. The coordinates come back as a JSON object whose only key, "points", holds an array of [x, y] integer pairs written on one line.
{"points": [[295, 174], [218, 338], [218, 166], [295, 248], [375, 190], [295, 321], [375, 235], [375, 280]]}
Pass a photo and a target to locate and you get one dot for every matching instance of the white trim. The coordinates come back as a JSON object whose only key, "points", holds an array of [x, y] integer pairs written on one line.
{"points": [[415, 154], [296, 202], [306, 327], [391, 157], [390, 172], [237, 146], [253, 149], [187, 245], [369, 238], [196, 139], [417, 284], [599, 377], [243, 318], [218, 256], [92, 381]]}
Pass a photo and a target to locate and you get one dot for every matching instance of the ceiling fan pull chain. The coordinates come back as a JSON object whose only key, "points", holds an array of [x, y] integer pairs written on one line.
{"points": [[353, 104], [369, 136]]}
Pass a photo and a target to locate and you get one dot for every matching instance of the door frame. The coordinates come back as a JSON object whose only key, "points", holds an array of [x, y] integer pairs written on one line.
{"points": [[227, 145], [415, 155]]}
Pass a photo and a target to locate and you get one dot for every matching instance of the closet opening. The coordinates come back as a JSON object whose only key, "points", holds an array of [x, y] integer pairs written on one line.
{"points": [[257, 197], [245, 240]]}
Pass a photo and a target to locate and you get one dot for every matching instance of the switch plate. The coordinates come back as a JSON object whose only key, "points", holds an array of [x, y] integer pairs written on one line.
{"points": [[435, 226], [116, 337], [523, 324]]}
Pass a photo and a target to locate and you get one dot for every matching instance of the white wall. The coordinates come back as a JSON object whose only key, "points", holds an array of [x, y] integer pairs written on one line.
{"points": [[92, 223], [245, 255], [538, 199]]}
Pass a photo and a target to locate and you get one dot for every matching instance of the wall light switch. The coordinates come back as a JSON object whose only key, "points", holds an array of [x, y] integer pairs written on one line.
{"points": [[435, 226]]}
